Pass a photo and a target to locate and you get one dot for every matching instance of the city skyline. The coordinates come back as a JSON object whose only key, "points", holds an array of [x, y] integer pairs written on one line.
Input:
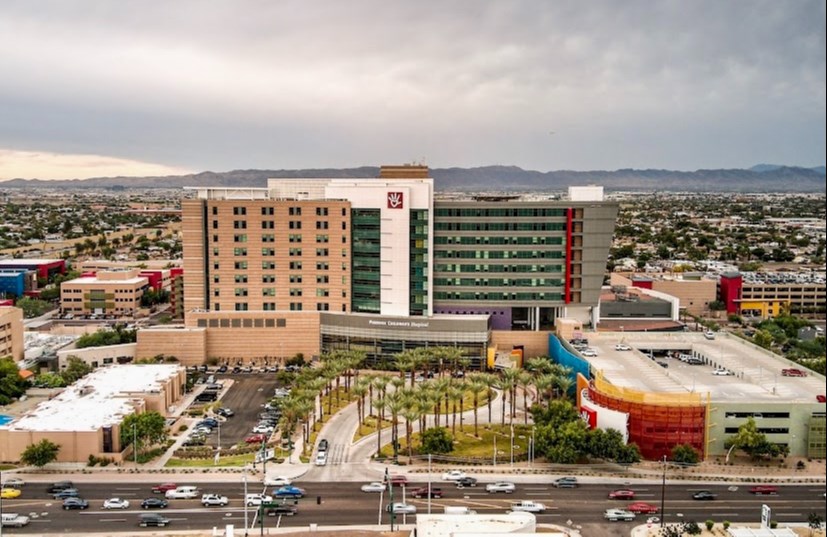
{"points": [[155, 89]]}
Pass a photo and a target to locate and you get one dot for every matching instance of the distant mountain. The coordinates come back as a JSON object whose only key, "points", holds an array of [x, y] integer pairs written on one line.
{"points": [[760, 178]]}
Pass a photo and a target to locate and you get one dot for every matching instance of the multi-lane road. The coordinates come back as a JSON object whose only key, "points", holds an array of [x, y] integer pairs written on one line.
{"points": [[344, 504]]}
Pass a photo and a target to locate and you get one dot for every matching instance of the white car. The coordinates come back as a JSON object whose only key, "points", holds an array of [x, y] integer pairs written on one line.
{"points": [[257, 499], [277, 481], [618, 514], [528, 506], [116, 503], [14, 482], [589, 352], [501, 486], [721, 371], [214, 499], [263, 429], [376, 486], [622, 347], [400, 508], [453, 475]]}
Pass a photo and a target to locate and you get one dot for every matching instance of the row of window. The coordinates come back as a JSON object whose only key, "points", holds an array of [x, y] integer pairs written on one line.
{"points": [[494, 295], [497, 268], [271, 306], [500, 282], [271, 224], [269, 237], [510, 212], [495, 254], [270, 211], [499, 226], [271, 265], [499, 240]]}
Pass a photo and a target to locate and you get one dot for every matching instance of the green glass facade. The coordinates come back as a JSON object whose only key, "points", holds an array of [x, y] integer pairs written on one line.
{"points": [[365, 256], [419, 262]]}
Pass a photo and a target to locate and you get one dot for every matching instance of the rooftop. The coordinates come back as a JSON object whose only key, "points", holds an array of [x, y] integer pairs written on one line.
{"points": [[101, 398], [756, 373]]}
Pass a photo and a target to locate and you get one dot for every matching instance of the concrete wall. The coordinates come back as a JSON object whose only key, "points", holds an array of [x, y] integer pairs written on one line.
{"points": [[535, 342], [99, 356], [188, 345]]}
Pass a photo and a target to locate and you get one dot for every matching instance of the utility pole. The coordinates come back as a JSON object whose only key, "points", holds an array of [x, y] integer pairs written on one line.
{"points": [[663, 495], [245, 500], [390, 495], [429, 483], [135, 442]]}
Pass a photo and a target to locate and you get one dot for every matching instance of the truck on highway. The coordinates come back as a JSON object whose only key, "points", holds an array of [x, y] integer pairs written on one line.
{"points": [[13, 520]]}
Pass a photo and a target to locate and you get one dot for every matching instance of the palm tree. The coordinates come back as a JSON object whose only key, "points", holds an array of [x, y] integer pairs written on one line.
{"points": [[508, 384], [525, 380], [491, 382], [395, 403], [454, 394], [477, 386], [543, 384], [411, 413], [404, 362], [360, 388], [539, 365], [564, 385], [379, 405], [425, 401], [440, 388]]}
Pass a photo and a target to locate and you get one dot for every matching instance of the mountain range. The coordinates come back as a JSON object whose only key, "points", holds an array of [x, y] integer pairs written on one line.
{"points": [[760, 178]]}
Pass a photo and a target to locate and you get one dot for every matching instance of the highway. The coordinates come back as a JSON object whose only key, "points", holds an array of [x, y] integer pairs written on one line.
{"points": [[344, 504]]}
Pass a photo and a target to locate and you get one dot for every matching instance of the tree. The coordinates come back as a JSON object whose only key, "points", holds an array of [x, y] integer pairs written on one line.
{"points": [[814, 521], [33, 307], [436, 440], [565, 444], [12, 385], [150, 428], [40, 454], [752, 442], [75, 369], [685, 454]]}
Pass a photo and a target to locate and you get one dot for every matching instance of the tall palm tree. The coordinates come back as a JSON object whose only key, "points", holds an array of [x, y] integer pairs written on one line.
{"points": [[564, 385], [508, 383], [440, 388], [360, 388], [543, 383], [379, 405], [404, 362], [395, 403], [425, 401], [476, 385], [539, 365], [410, 411], [491, 382], [454, 394], [525, 380]]}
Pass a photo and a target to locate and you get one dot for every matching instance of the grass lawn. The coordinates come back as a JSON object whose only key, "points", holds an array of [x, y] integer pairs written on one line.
{"points": [[467, 445], [224, 461], [369, 427]]}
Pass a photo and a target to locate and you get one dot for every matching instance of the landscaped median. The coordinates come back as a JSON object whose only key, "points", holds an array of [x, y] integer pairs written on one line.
{"points": [[206, 456]]}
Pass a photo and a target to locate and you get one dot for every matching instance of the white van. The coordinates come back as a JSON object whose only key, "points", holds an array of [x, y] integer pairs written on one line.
{"points": [[458, 510], [183, 493], [321, 458]]}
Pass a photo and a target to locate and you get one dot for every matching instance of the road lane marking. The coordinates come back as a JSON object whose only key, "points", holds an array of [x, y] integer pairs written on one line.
{"points": [[112, 520], [723, 514], [788, 514]]}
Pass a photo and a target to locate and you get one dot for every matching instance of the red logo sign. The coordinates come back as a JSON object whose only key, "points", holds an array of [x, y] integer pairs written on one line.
{"points": [[589, 416], [395, 200]]}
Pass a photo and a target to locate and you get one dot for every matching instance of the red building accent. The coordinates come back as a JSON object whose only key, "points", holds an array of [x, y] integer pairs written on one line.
{"points": [[729, 289]]}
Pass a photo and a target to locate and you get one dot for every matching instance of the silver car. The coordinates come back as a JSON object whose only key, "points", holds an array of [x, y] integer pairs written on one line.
{"points": [[400, 508], [501, 486]]}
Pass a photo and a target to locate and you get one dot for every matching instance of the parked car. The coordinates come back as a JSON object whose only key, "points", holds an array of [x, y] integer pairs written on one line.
{"points": [[589, 352], [263, 429], [763, 489], [618, 514], [721, 371], [374, 487], [288, 491], [704, 495], [116, 503], [709, 334], [222, 369], [466, 482], [793, 372], [282, 510], [423, 492], [277, 481], [400, 508], [154, 503], [208, 500], [622, 347], [9, 493], [565, 483], [15, 482], [256, 438], [501, 486], [642, 507], [75, 503], [453, 475], [622, 494]]}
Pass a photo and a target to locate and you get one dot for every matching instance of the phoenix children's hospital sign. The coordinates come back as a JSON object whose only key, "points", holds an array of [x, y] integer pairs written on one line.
{"points": [[398, 324]]}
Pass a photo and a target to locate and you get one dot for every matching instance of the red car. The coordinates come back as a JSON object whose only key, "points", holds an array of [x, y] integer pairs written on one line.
{"points": [[764, 489], [256, 438], [821, 398], [622, 494], [164, 487], [422, 492], [398, 480], [792, 372], [642, 507]]}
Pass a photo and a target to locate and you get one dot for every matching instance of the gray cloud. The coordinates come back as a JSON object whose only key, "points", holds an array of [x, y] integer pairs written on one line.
{"points": [[222, 85]]}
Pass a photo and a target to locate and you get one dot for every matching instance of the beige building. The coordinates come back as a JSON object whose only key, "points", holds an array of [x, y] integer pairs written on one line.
{"points": [[85, 418], [694, 293], [11, 332], [109, 293]]}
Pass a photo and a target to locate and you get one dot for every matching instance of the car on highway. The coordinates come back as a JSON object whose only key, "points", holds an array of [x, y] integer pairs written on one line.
{"points": [[66, 493], [277, 481], [622, 494], [793, 372], [164, 487], [528, 506], [185, 492], [763, 489], [209, 500], [622, 347], [282, 510], [398, 480], [453, 475], [401, 508], [60, 485], [289, 491], [75, 503], [152, 519], [721, 372], [154, 503], [423, 492], [15, 482], [704, 495], [374, 487], [9, 493], [116, 503], [565, 483], [501, 486], [466, 481], [256, 438], [618, 514], [257, 499], [642, 508]]}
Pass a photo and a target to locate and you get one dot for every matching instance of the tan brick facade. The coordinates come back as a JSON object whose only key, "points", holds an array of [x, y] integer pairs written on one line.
{"points": [[115, 292], [11, 332]]}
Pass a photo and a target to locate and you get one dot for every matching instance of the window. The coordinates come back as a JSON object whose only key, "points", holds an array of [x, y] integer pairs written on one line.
{"points": [[321, 252], [268, 224], [295, 252], [240, 252], [240, 238], [322, 306], [215, 238], [268, 265], [322, 292], [239, 224], [267, 211], [216, 279], [215, 266], [344, 252], [295, 265], [268, 278], [295, 291], [268, 237], [268, 252], [241, 265], [240, 306], [293, 237], [215, 252], [321, 211], [322, 279], [216, 292], [215, 211], [268, 291], [295, 278], [240, 278], [239, 211], [268, 306], [322, 265], [322, 238], [295, 211], [295, 306], [215, 224], [295, 224], [322, 225], [240, 291]]}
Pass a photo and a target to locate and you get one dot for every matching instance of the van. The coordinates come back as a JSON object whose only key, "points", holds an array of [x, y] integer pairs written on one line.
{"points": [[152, 519], [13, 520], [321, 458], [182, 493], [458, 510]]}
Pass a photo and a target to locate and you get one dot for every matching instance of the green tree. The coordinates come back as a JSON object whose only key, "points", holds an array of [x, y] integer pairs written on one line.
{"points": [[12, 385], [685, 454], [40, 454], [75, 369], [147, 428], [565, 444], [436, 440], [555, 414], [814, 521], [752, 442], [50, 380], [33, 307]]}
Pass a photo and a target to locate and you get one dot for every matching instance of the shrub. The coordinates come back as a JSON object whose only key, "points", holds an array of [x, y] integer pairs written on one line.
{"points": [[692, 528], [92, 460], [726, 524], [709, 524], [182, 428], [773, 524]]}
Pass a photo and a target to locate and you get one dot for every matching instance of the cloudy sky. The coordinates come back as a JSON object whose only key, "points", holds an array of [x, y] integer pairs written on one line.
{"points": [[93, 88]]}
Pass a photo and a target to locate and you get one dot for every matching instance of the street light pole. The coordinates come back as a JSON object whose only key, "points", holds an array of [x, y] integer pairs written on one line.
{"points": [[390, 495], [135, 442], [663, 495], [429, 483], [245, 500]]}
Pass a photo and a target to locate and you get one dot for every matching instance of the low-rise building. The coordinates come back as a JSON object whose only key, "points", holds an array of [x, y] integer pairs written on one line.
{"points": [[11, 332], [85, 418], [106, 293]]}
